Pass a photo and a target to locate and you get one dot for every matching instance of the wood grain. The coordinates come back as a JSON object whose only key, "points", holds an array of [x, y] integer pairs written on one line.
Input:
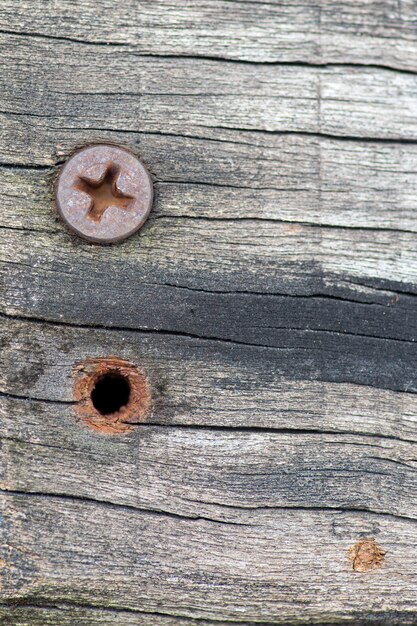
{"points": [[316, 32], [193, 568], [289, 178], [270, 300], [195, 472], [184, 96]]}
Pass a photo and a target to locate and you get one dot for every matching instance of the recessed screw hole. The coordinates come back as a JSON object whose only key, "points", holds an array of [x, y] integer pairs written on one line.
{"points": [[111, 393], [104, 193]]}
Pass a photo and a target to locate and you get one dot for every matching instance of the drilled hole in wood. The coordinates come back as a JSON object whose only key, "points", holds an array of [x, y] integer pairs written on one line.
{"points": [[110, 393]]}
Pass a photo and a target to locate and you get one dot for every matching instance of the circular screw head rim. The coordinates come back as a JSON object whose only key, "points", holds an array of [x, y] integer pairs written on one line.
{"points": [[104, 193]]}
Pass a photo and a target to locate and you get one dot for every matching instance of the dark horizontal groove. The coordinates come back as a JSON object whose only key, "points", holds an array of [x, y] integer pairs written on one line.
{"points": [[201, 183], [20, 166], [150, 331], [313, 296], [275, 5], [370, 285], [14, 396], [186, 335], [249, 131], [169, 94], [295, 507], [254, 131], [219, 428], [34, 35], [44, 604], [25, 229], [231, 129], [237, 219], [113, 505], [30, 114], [394, 462], [254, 219], [133, 49], [275, 63], [233, 220], [306, 133], [159, 513], [274, 431]]}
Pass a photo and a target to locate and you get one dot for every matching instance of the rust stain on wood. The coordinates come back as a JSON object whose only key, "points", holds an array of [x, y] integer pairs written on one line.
{"points": [[366, 555]]}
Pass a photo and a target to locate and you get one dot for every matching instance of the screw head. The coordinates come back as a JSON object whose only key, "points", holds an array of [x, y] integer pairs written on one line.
{"points": [[104, 193]]}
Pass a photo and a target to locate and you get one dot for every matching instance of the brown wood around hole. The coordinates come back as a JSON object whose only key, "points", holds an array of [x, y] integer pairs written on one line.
{"points": [[89, 373]]}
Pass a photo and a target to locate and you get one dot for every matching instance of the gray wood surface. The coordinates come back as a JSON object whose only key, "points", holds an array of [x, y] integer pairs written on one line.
{"points": [[270, 299]]}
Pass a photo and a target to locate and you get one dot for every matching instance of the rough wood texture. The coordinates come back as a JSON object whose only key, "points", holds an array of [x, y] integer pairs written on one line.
{"points": [[314, 32], [271, 300]]}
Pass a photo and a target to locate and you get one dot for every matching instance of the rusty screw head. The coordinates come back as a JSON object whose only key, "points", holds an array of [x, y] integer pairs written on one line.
{"points": [[104, 193]]}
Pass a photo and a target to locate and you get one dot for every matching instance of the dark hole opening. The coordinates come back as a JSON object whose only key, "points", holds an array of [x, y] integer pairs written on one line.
{"points": [[111, 393]]}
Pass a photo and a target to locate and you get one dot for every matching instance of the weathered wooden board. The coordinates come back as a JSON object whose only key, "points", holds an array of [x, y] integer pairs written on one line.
{"points": [[314, 32], [126, 92], [222, 383], [270, 299], [293, 178], [64, 616], [194, 568]]}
